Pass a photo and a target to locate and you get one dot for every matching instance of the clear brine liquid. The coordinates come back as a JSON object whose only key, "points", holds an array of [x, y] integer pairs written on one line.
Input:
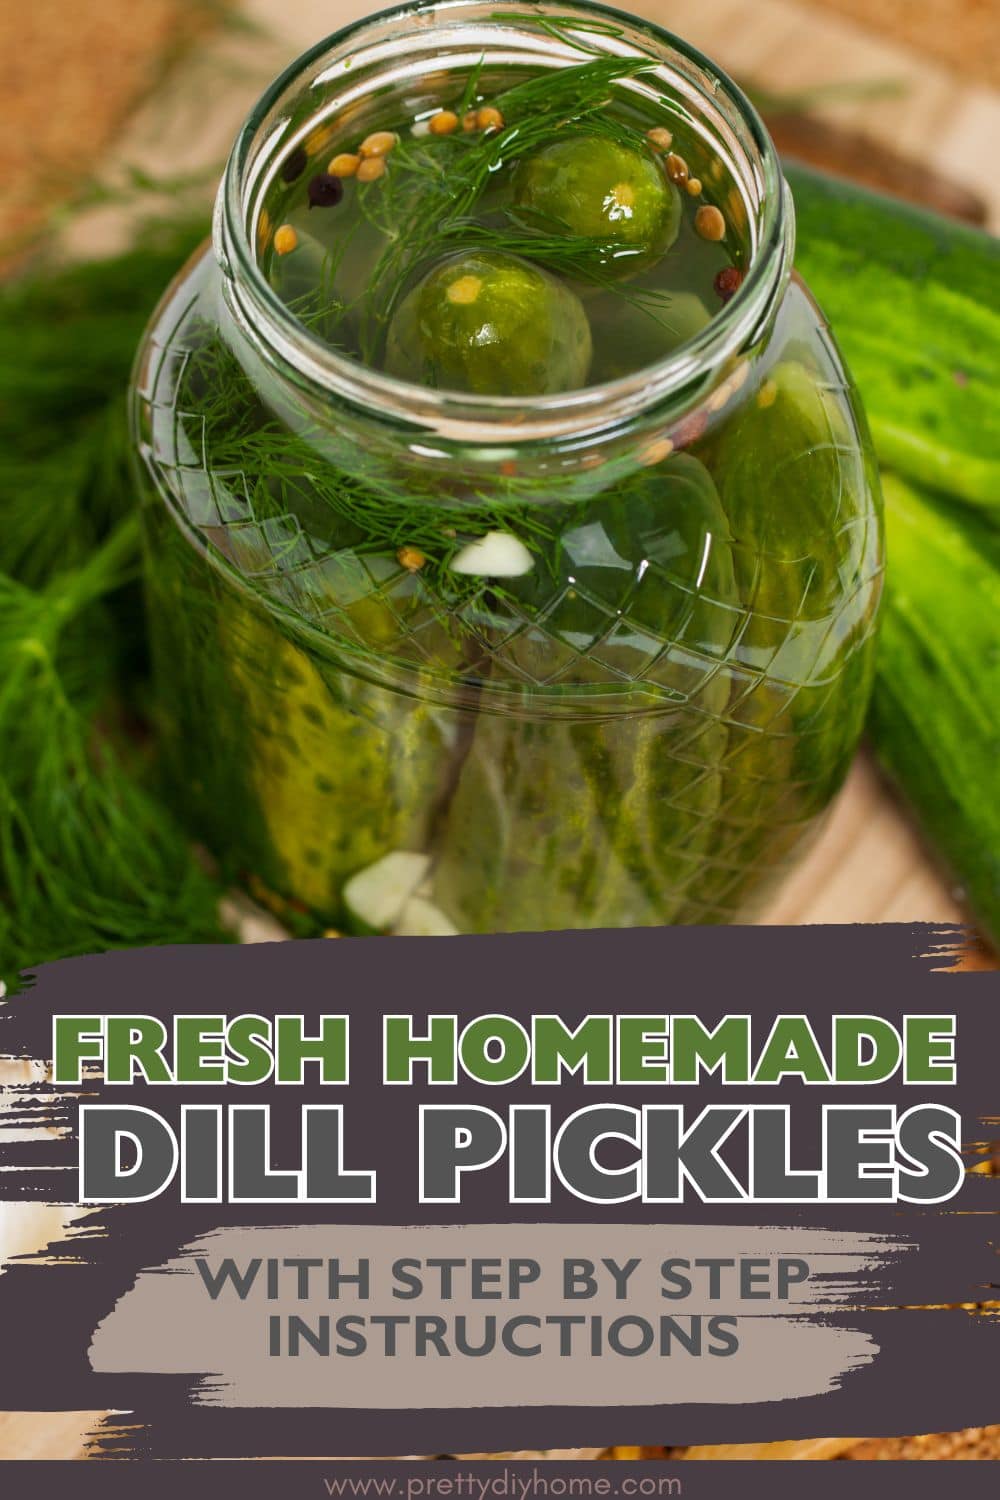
{"points": [[595, 202]]}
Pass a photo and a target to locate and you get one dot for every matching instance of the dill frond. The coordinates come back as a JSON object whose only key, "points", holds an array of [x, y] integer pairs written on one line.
{"points": [[89, 857]]}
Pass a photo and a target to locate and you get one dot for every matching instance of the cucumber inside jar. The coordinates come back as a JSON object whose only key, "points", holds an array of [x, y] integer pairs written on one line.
{"points": [[616, 196], [605, 815], [493, 324], [795, 489]]}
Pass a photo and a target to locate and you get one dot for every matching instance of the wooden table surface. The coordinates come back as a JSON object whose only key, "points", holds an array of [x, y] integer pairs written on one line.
{"points": [[869, 864]]}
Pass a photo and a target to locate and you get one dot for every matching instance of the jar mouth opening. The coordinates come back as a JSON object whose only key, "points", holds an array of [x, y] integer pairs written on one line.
{"points": [[408, 41]]}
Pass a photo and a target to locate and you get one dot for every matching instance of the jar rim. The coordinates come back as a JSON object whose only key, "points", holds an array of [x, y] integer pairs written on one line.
{"points": [[501, 421]]}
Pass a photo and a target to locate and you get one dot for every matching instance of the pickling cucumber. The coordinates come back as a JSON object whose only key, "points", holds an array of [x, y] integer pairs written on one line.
{"points": [[914, 300], [935, 713]]}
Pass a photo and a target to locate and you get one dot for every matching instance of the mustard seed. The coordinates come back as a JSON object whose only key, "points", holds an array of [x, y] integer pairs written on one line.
{"points": [[709, 223], [410, 558], [444, 122], [489, 118], [379, 143], [285, 239], [344, 165], [693, 186], [677, 169], [318, 140], [370, 168], [660, 138]]}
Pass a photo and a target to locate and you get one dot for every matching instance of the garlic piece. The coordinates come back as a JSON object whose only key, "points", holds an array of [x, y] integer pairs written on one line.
{"points": [[495, 555], [378, 894], [421, 918]]}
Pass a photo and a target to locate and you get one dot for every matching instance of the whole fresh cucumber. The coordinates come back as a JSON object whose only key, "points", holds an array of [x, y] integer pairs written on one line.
{"points": [[935, 714], [914, 300]]}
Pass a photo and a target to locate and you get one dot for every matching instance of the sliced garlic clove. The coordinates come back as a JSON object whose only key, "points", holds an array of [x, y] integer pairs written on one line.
{"points": [[421, 918], [495, 555], [377, 895]]}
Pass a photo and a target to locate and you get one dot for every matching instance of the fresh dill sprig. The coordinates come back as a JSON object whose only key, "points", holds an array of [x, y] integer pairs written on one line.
{"points": [[67, 340], [296, 473], [470, 93], [561, 29], [89, 857], [310, 479]]}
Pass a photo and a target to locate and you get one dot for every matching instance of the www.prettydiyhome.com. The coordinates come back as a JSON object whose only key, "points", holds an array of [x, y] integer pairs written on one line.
{"points": [[462, 1484]]}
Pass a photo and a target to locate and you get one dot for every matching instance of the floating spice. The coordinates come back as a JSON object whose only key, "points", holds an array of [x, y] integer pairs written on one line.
{"points": [[370, 168], [728, 282], [294, 165], [489, 118], [709, 223], [677, 169], [660, 138], [410, 558], [285, 239], [345, 164], [379, 143], [325, 190], [443, 123]]}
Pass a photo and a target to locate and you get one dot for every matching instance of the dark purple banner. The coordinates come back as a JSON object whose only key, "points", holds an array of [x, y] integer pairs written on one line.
{"points": [[367, 1197]]}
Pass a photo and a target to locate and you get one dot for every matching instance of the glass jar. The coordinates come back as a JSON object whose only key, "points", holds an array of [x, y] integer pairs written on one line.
{"points": [[645, 727]]}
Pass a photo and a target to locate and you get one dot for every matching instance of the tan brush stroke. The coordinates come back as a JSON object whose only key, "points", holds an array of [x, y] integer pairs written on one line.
{"points": [[806, 1448], [545, 1453], [26, 1228], [46, 1435]]}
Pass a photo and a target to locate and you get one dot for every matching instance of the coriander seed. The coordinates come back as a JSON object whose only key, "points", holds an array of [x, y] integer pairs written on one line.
{"points": [[709, 223]]}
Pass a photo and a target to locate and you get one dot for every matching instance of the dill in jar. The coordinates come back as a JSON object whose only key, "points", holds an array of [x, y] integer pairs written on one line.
{"points": [[506, 233]]}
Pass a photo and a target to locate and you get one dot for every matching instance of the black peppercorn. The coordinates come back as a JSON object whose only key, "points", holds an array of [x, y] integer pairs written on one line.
{"points": [[325, 191], [294, 165]]}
